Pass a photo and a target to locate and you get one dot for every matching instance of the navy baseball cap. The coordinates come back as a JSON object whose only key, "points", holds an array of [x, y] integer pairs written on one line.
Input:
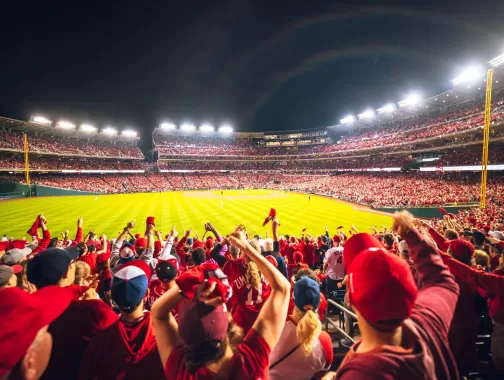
{"points": [[306, 294], [129, 284], [49, 266]]}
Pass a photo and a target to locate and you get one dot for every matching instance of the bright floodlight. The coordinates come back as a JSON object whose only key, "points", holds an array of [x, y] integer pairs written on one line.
{"points": [[129, 133], [88, 128], [411, 100], [470, 75], [109, 131], [188, 127], [497, 61], [369, 114], [348, 119], [41, 120], [206, 127], [167, 125], [389, 108], [225, 129], [63, 124]]}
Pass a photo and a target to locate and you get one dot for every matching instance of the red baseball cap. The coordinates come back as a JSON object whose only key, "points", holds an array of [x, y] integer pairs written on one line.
{"points": [[356, 244], [141, 242], [199, 322], [272, 260], [382, 288], [461, 249], [22, 315]]}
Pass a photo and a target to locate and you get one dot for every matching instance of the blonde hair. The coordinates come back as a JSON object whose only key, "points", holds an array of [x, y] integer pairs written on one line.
{"points": [[253, 275], [82, 271], [308, 329], [481, 258]]}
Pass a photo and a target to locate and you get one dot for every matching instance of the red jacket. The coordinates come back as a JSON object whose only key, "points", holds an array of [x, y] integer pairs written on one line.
{"points": [[309, 254]]}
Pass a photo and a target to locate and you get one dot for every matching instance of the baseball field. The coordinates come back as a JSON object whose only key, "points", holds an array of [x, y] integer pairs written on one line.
{"points": [[108, 214]]}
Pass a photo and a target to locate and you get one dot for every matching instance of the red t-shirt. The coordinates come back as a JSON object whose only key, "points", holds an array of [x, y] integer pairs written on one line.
{"points": [[156, 290], [90, 259], [249, 362], [309, 254], [246, 303]]}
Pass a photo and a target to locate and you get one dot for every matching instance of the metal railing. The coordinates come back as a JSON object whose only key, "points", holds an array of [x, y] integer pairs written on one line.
{"points": [[335, 325]]}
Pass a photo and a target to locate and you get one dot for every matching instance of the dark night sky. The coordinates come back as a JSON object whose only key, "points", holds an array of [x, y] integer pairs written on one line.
{"points": [[260, 65]]}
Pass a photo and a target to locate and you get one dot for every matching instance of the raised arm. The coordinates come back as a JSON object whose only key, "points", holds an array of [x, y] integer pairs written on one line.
{"points": [[46, 236], [165, 325], [166, 253], [148, 253], [439, 293], [490, 282], [114, 257], [78, 234], [271, 319]]}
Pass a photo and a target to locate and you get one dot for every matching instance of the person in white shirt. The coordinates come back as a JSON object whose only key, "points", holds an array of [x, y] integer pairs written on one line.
{"points": [[303, 349], [334, 267]]}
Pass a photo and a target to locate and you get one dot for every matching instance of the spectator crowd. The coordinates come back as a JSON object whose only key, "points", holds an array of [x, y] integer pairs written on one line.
{"points": [[234, 306]]}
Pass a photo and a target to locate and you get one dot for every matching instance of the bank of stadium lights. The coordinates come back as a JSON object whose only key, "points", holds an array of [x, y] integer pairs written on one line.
{"points": [[411, 100], [366, 115], [88, 128], [109, 131], [167, 125], [497, 61], [386, 109], [470, 75], [64, 124], [226, 128], [41, 120], [206, 127], [188, 127], [348, 119], [129, 133]]}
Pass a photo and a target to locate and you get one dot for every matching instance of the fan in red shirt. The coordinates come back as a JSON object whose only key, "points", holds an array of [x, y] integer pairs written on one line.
{"points": [[297, 264], [127, 349], [309, 253], [162, 281], [204, 345], [81, 320], [404, 331]]}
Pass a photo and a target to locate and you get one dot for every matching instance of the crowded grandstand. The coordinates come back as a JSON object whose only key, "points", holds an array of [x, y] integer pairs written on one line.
{"points": [[420, 298]]}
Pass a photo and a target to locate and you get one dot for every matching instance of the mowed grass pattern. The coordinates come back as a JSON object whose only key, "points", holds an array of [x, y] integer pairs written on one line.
{"points": [[109, 213]]}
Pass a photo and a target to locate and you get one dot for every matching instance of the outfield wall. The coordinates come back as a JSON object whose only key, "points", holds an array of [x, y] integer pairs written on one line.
{"points": [[19, 190], [426, 212]]}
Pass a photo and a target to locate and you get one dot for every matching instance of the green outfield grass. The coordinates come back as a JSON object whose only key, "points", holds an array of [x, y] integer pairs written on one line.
{"points": [[109, 213]]}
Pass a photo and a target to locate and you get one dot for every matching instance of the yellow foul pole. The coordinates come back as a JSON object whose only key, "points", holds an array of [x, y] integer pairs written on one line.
{"points": [[486, 137], [26, 161]]}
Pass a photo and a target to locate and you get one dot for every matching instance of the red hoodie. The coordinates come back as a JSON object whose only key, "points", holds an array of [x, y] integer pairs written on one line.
{"points": [[123, 351], [425, 333]]}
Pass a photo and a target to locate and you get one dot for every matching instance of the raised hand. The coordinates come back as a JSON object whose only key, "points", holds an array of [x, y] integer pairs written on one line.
{"points": [[173, 232], [188, 232], [79, 222]]}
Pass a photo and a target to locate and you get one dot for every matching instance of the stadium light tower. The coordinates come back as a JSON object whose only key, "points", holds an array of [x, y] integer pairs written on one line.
{"points": [[225, 128], [168, 125], [470, 75], [129, 133], [64, 124], [412, 99], [348, 119], [109, 131], [187, 127], [88, 128], [386, 109], [366, 115], [206, 127], [41, 120]]}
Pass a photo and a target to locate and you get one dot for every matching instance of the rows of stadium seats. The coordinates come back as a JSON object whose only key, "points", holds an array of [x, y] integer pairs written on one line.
{"points": [[48, 162], [374, 189], [59, 145], [398, 133]]}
